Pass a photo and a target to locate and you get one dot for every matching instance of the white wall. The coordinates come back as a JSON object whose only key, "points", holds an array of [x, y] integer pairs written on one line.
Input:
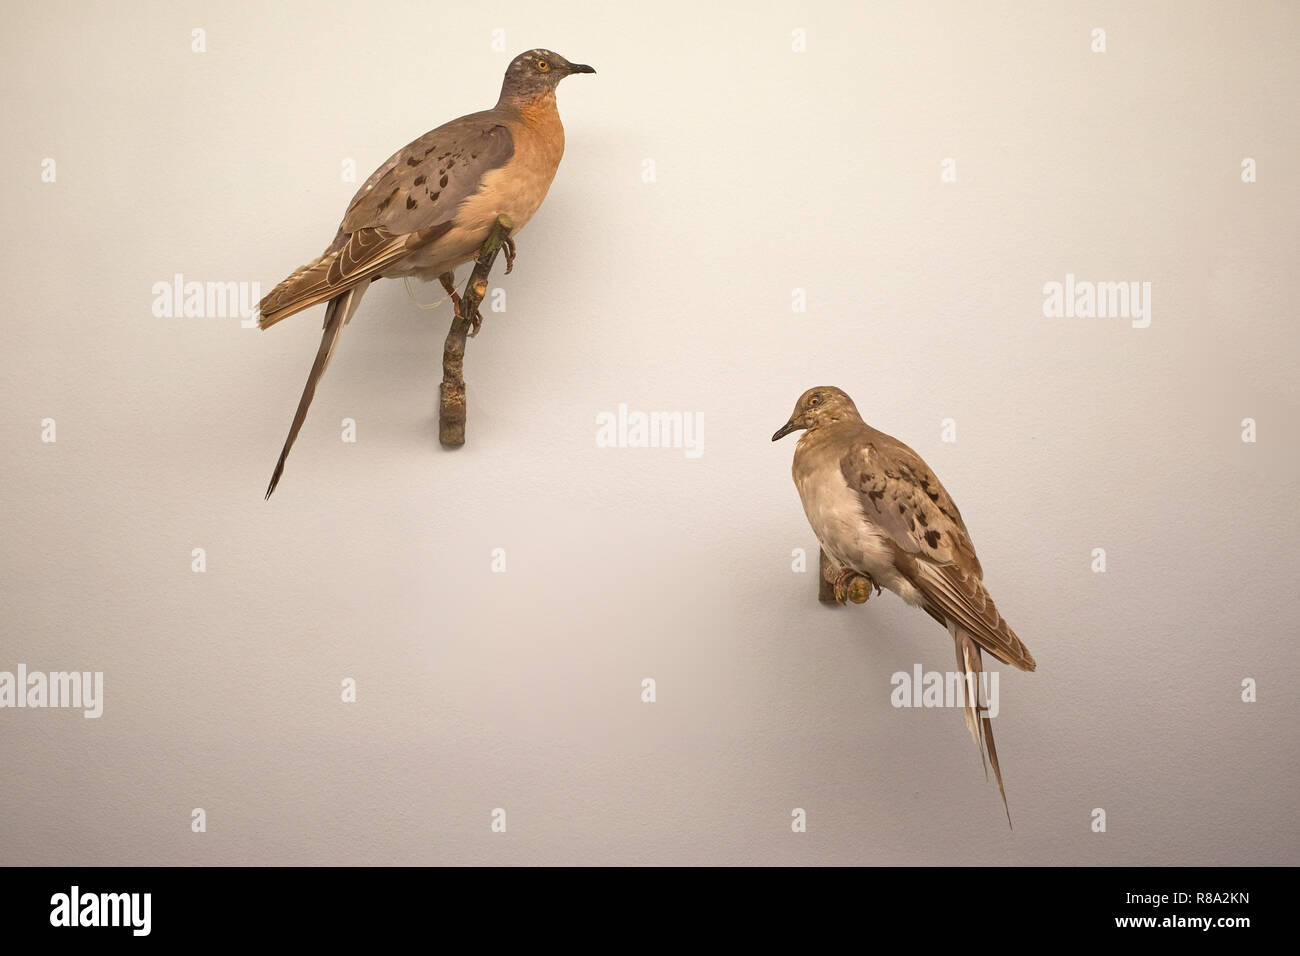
{"points": [[775, 170]]}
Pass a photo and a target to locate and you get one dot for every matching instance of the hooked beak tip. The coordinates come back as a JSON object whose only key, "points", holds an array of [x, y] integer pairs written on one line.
{"points": [[581, 68]]}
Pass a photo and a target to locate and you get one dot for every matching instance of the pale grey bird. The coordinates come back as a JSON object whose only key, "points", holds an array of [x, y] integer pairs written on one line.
{"points": [[428, 208], [880, 512]]}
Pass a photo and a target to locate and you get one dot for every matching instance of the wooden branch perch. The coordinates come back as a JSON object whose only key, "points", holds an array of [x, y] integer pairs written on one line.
{"points": [[451, 410], [859, 587], [825, 580]]}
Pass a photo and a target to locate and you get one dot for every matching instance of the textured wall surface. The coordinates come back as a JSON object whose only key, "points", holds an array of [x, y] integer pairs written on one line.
{"points": [[712, 170]]}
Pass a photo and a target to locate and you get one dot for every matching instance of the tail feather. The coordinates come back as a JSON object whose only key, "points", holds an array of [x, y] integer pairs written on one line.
{"points": [[351, 258], [337, 315], [997, 771], [306, 287], [970, 666]]}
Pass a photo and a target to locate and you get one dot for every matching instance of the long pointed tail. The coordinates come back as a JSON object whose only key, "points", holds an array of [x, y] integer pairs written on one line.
{"points": [[970, 666], [337, 314]]}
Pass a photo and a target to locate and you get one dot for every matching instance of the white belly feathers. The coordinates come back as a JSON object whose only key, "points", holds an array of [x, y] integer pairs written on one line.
{"points": [[835, 513]]}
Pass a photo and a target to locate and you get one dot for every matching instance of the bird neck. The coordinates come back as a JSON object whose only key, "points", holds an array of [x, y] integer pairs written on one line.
{"points": [[824, 431], [534, 108], [837, 417], [539, 125]]}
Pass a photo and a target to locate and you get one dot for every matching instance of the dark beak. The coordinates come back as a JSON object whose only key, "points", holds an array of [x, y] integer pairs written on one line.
{"points": [[785, 429], [580, 68]]}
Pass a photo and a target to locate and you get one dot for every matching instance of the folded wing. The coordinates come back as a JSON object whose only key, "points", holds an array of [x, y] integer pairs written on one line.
{"points": [[901, 496], [407, 203]]}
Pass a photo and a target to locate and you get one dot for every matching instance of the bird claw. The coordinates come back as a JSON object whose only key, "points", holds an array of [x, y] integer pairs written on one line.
{"points": [[843, 580], [508, 248], [448, 281], [841, 585], [457, 304]]}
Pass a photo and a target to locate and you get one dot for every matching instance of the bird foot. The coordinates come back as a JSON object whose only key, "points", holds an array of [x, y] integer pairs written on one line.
{"points": [[448, 281], [508, 248], [853, 586], [475, 322]]}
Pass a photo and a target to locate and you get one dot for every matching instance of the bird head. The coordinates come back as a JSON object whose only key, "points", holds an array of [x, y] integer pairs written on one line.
{"points": [[537, 73], [817, 407]]}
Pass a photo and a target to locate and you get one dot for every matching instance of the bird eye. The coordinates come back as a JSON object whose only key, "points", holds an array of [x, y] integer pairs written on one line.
{"points": [[815, 400], [543, 66]]}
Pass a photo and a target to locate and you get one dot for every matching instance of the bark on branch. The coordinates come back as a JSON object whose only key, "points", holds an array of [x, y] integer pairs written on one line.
{"points": [[451, 410]]}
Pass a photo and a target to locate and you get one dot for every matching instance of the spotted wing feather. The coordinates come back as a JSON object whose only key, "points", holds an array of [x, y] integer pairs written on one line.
{"points": [[408, 202], [901, 496]]}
